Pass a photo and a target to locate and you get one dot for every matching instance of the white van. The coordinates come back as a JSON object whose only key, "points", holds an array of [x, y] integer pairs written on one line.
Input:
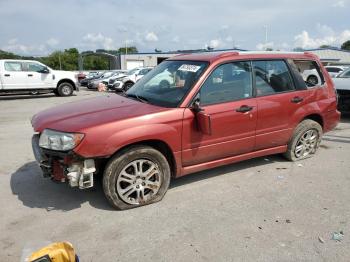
{"points": [[33, 76]]}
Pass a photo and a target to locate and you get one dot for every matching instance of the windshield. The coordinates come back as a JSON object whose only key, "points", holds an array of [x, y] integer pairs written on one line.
{"points": [[107, 74], [132, 71], [344, 74], [168, 83]]}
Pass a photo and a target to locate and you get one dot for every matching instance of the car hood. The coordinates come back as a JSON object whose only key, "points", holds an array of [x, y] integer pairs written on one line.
{"points": [[80, 115], [341, 83]]}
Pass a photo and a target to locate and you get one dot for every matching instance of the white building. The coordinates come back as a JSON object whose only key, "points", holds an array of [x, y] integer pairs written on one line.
{"points": [[332, 56]]}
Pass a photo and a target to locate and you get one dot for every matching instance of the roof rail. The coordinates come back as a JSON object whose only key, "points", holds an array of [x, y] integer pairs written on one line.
{"points": [[309, 54], [225, 54]]}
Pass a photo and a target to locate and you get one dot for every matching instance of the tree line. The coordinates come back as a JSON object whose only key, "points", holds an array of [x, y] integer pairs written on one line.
{"points": [[68, 59]]}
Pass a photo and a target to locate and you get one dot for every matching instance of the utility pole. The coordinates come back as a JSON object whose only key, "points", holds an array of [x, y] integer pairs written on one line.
{"points": [[265, 27], [59, 60]]}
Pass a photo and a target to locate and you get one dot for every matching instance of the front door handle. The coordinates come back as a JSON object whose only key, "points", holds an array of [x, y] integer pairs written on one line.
{"points": [[296, 99], [244, 109], [30, 75], [7, 74]]}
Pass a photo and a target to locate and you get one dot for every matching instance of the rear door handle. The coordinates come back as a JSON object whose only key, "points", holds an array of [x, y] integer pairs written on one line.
{"points": [[244, 109], [7, 74], [296, 99], [30, 75]]}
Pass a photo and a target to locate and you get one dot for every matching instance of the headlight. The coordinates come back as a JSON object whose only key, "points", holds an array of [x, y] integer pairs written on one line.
{"points": [[60, 141]]}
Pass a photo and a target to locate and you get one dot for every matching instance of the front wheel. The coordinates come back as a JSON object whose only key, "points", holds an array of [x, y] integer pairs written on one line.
{"points": [[136, 176], [65, 89], [128, 85], [305, 140]]}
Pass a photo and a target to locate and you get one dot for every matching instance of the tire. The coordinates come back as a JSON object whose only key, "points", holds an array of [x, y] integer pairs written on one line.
{"points": [[127, 86], [65, 89], [312, 80], [123, 186], [305, 140]]}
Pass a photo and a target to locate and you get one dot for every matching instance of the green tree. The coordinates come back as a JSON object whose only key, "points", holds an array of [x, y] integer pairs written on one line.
{"points": [[94, 62], [130, 49], [346, 45], [298, 49]]}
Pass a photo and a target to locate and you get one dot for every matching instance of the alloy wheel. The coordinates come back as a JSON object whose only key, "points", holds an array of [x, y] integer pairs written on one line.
{"points": [[66, 90], [139, 181], [307, 143]]}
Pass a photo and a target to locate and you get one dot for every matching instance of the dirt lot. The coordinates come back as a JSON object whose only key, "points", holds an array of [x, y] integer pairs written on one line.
{"points": [[266, 209]]}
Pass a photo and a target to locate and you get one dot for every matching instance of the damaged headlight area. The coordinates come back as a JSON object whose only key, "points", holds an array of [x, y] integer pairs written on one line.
{"points": [[63, 166], [60, 141]]}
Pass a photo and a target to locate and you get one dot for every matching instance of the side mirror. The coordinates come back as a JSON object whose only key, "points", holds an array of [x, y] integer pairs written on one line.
{"points": [[203, 120], [196, 106], [44, 71]]}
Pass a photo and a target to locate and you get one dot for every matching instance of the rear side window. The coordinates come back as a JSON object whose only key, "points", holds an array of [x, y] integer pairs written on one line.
{"points": [[310, 72], [13, 66], [228, 82], [272, 77], [333, 69]]}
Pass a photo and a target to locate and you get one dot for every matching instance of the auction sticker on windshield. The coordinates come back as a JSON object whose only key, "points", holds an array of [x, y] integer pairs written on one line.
{"points": [[189, 68]]}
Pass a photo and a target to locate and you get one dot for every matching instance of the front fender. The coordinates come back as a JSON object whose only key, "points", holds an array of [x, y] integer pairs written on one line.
{"points": [[163, 132]]}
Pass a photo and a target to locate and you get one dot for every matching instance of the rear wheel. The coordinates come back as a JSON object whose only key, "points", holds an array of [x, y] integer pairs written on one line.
{"points": [[305, 140], [137, 176], [65, 89]]}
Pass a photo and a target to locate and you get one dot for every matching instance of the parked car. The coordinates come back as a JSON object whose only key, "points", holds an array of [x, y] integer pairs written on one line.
{"points": [[91, 76], [93, 84], [132, 76], [342, 84], [335, 70], [81, 76], [221, 108], [117, 74], [35, 77]]}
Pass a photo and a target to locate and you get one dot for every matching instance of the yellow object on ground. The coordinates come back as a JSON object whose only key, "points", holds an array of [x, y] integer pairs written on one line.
{"points": [[56, 252]]}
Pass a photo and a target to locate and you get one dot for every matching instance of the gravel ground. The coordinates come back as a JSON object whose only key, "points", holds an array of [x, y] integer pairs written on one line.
{"points": [[265, 209]]}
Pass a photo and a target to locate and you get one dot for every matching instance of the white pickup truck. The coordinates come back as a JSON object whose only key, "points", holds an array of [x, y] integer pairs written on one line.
{"points": [[35, 77]]}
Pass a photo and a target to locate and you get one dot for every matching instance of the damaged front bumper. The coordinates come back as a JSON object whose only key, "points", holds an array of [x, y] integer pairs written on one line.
{"points": [[64, 166]]}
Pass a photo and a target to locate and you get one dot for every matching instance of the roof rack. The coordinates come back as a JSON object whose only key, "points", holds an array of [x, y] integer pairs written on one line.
{"points": [[225, 54]]}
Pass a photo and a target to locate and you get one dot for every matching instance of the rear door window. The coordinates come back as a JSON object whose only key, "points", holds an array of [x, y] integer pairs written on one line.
{"points": [[272, 77], [13, 66], [333, 69]]}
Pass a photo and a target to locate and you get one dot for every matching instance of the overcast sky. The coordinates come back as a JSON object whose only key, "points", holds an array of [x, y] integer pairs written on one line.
{"points": [[39, 27]]}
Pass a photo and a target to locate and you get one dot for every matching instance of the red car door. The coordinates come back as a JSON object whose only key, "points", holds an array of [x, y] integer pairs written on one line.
{"points": [[277, 102], [227, 97]]}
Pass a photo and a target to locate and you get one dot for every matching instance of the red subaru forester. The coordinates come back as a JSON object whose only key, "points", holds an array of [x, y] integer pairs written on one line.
{"points": [[192, 112]]}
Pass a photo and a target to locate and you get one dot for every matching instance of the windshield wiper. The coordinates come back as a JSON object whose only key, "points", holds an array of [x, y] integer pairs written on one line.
{"points": [[139, 98]]}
